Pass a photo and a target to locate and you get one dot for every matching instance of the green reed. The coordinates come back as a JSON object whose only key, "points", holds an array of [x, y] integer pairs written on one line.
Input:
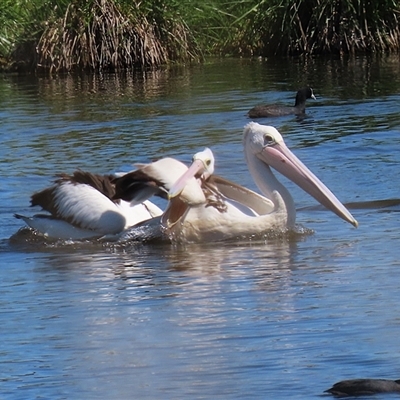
{"points": [[11, 18], [305, 26], [62, 35]]}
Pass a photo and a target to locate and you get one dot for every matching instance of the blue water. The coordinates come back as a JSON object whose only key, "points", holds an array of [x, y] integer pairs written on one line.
{"points": [[272, 319]]}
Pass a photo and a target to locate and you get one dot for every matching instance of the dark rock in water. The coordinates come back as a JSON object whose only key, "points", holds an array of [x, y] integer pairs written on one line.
{"points": [[358, 387]]}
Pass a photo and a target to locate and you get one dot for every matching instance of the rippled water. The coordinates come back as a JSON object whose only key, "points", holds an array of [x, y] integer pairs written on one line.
{"points": [[277, 318]]}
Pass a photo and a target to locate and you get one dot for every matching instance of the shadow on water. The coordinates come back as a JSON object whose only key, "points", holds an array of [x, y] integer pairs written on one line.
{"points": [[27, 239], [266, 262], [389, 205]]}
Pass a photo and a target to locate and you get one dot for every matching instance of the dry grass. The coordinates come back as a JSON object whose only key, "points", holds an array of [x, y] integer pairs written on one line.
{"points": [[104, 38], [347, 26], [292, 27]]}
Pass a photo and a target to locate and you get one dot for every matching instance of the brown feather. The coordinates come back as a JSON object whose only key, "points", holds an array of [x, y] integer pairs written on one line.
{"points": [[103, 183], [127, 186], [213, 196]]}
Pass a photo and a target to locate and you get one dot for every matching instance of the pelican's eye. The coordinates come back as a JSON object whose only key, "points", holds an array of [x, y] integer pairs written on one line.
{"points": [[269, 140], [208, 162]]}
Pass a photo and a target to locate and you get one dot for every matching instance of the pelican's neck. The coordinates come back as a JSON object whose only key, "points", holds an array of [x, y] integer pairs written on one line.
{"points": [[269, 186]]}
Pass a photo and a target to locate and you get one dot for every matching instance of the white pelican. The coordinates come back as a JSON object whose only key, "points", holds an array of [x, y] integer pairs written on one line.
{"points": [[81, 207], [160, 176], [240, 211]]}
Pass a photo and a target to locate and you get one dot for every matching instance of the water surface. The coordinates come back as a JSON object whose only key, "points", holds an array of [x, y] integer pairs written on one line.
{"points": [[278, 318]]}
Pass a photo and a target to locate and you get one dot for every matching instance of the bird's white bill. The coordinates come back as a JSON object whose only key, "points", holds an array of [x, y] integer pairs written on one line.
{"points": [[196, 168], [285, 162]]}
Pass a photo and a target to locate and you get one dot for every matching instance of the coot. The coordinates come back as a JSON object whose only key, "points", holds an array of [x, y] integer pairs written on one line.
{"points": [[357, 387], [278, 110]]}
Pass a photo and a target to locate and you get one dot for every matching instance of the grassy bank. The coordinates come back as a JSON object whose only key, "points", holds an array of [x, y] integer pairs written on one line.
{"points": [[61, 35], [322, 27]]}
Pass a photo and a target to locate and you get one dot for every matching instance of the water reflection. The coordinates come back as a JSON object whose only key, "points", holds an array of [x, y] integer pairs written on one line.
{"points": [[146, 314], [182, 319], [345, 78], [391, 205], [151, 290], [266, 262]]}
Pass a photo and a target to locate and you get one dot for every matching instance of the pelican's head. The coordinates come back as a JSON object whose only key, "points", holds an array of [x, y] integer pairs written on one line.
{"points": [[267, 144], [257, 137], [202, 166], [206, 163]]}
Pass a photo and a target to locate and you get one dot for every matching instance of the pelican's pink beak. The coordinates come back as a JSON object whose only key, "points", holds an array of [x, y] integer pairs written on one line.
{"points": [[202, 165], [197, 168], [284, 161]]}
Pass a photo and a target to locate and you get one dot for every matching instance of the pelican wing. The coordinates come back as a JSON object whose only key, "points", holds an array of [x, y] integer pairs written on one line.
{"points": [[157, 178], [242, 197], [82, 206]]}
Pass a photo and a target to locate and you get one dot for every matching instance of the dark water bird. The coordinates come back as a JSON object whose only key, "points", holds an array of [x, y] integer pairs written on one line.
{"points": [[358, 387], [276, 110]]}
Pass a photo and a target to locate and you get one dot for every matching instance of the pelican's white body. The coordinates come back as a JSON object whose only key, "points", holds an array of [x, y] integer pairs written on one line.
{"points": [[247, 213]]}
